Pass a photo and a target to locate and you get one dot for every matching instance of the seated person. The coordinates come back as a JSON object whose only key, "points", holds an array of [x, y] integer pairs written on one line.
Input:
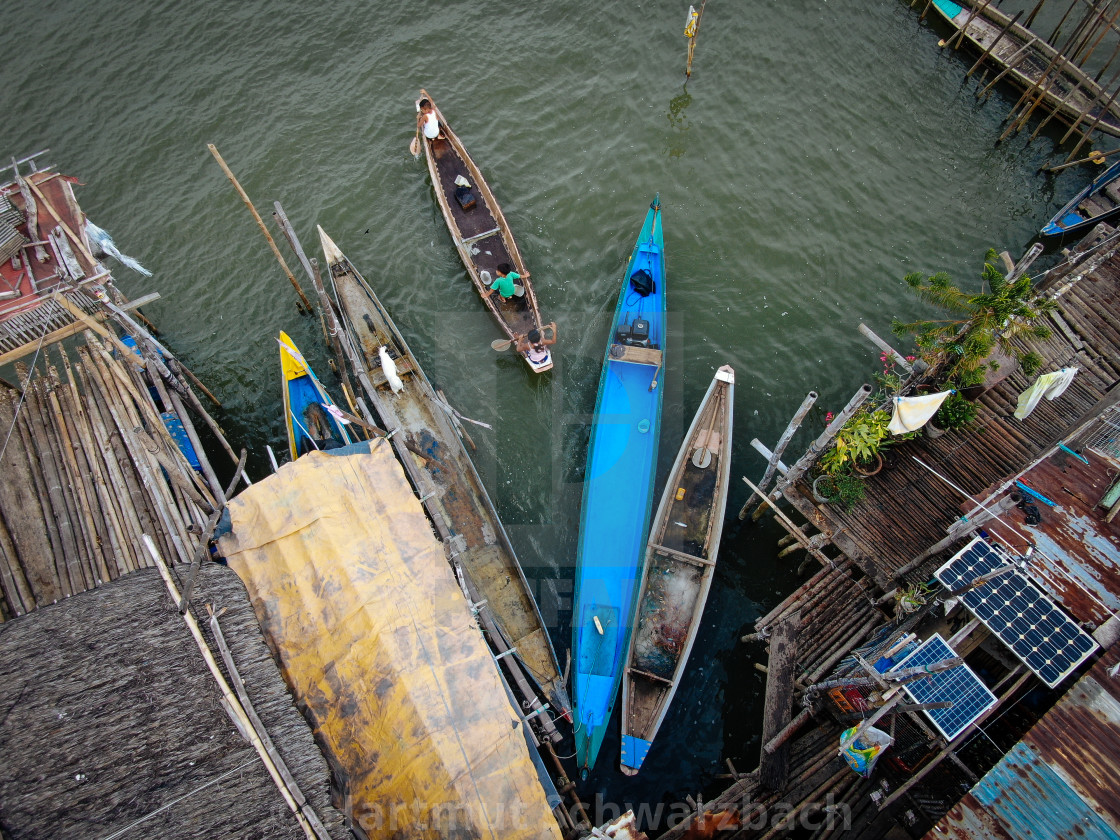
{"points": [[505, 284], [534, 344], [427, 120]]}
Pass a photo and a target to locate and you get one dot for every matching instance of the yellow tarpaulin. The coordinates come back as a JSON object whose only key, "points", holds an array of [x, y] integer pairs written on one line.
{"points": [[380, 649]]}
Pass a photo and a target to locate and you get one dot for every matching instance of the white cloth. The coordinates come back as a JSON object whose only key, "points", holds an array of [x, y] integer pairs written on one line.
{"points": [[911, 413], [431, 126], [1050, 385]]}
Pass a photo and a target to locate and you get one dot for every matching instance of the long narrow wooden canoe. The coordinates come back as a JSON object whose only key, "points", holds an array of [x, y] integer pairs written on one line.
{"points": [[1033, 61], [680, 561], [618, 489], [421, 422], [310, 426], [481, 235], [1096, 203]]}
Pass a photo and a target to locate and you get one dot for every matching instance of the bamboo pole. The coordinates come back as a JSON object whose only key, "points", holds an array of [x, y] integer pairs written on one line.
{"points": [[106, 501], [23, 423], [817, 446], [125, 476], [207, 535], [122, 490], [797, 533], [232, 705], [13, 583], [247, 704], [780, 448], [306, 304], [959, 35], [95, 570], [994, 43], [169, 525], [69, 565], [1012, 63]]}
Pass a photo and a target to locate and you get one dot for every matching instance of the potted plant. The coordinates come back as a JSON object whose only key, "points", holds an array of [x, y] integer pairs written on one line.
{"points": [[842, 488], [858, 443], [955, 413], [976, 344]]}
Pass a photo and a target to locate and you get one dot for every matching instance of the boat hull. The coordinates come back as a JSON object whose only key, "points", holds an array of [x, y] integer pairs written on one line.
{"points": [[617, 496], [481, 235], [680, 561], [302, 393], [1096, 203], [1031, 61], [428, 444]]}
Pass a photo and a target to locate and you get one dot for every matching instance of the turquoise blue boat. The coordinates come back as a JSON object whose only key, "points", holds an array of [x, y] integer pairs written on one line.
{"points": [[618, 490]]}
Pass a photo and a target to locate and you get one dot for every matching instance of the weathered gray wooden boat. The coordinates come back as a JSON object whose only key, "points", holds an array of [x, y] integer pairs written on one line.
{"points": [[677, 575], [427, 441], [481, 235], [1030, 62]]}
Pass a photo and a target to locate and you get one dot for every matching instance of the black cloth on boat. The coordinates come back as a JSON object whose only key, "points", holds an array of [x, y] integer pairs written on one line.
{"points": [[642, 282]]}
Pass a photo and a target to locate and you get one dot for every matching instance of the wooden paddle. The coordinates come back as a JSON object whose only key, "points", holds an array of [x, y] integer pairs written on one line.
{"points": [[501, 344]]}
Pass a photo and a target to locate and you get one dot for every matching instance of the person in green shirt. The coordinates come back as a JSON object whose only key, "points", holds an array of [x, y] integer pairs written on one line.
{"points": [[505, 284]]}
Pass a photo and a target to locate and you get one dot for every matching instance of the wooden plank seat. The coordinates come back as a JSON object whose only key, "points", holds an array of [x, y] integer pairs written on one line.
{"points": [[377, 375], [635, 355], [680, 555]]}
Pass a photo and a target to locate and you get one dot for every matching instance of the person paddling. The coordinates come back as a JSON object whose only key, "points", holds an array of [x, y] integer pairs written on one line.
{"points": [[534, 343]]}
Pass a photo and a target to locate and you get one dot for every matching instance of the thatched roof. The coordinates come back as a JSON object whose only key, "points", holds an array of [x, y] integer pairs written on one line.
{"points": [[109, 716]]}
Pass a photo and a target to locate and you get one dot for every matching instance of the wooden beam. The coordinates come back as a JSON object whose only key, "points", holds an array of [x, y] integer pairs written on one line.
{"points": [[98, 328]]}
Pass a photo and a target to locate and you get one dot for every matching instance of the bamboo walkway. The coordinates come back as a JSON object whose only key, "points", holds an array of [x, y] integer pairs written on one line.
{"points": [[909, 523], [88, 467]]}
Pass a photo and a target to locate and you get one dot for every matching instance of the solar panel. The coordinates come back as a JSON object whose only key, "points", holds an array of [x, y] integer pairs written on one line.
{"points": [[1044, 638], [959, 685]]}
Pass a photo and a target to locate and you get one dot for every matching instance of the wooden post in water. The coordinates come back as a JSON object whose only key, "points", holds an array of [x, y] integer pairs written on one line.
{"points": [[783, 441], [692, 30], [1012, 63], [816, 447], [959, 36], [306, 304], [992, 46]]}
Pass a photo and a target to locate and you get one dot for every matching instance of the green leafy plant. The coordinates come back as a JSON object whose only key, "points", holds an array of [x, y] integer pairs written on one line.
{"points": [[858, 441], [987, 320], [843, 488], [955, 413]]}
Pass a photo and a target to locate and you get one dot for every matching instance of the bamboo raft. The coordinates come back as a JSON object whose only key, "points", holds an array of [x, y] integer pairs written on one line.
{"points": [[85, 477], [426, 435], [481, 234]]}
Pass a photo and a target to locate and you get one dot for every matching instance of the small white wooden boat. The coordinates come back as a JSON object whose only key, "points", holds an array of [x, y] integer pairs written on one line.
{"points": [[679, 563]]}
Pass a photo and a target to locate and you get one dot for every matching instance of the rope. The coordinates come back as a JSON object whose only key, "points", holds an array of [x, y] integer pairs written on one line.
{"points": [[22, 396]]}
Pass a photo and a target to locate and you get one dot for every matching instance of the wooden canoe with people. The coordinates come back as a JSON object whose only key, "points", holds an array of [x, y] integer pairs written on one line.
{"points": [[482, 236], [677, 576], [426, 431]]}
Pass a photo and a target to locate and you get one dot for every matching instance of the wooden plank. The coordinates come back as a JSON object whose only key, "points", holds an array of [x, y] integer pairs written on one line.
{"points": [[634, 355], [774, 766], [680, 555], [107, 334]]}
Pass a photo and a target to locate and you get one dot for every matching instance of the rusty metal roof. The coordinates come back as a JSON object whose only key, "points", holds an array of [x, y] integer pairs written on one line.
{"points": [[1077, 554], [1060, 780]]}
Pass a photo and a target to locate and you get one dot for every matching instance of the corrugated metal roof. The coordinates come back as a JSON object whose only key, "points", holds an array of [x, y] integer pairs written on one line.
{"points": [[1060, 780], [1077, 555], [1031, 800]]}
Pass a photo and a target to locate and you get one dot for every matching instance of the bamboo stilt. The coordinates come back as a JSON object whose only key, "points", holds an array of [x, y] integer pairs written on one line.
{"points": [[993, 45], [260, 223]]}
